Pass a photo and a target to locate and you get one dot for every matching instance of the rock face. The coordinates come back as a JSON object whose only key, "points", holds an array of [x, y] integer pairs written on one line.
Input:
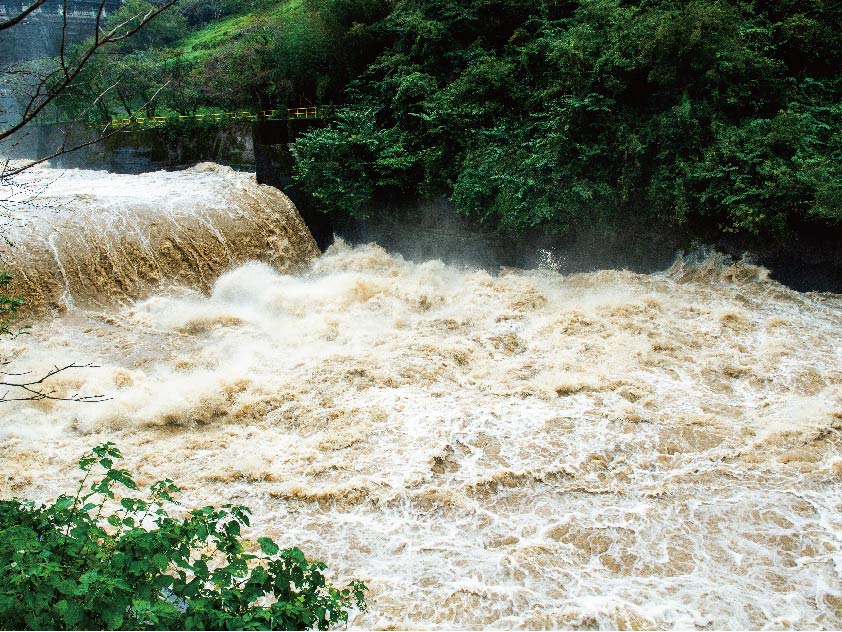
{"points": [[807, 258], [92, 238], [135, 150], [40, 36]]}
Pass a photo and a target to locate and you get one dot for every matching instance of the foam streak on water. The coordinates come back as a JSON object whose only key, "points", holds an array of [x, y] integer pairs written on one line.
{"points": [[522, 450]]}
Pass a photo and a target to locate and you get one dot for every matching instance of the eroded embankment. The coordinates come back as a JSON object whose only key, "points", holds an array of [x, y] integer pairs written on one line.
{"points": [[91, 239], [520, 450]]}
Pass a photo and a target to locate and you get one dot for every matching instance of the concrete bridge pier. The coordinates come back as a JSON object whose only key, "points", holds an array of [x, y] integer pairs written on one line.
{"points": [[273, 160]]}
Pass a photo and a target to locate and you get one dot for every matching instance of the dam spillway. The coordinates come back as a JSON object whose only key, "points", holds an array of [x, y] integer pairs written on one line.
{"points": [[91, 238]]}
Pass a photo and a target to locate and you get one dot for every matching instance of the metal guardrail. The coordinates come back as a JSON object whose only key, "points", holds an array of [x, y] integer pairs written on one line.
{"points": [[277, 114], [311, 112]]}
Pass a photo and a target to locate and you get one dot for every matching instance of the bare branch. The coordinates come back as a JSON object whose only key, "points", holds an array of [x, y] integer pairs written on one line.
{"points": [[9, 171], [63, 46], [100, 12], [45, 84], [21, 16], [36, 389], [62, 150], [45, 94]]}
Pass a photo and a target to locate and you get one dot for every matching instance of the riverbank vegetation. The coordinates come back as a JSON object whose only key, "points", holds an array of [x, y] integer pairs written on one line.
{"points": [[571, 115], [104, 559], [564, 116]]}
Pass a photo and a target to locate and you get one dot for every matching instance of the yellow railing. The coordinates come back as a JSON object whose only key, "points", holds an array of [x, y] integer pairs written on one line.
{"points": [[153, 121]]}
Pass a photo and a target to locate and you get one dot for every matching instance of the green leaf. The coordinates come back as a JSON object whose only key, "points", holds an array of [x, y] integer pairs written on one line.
{"points": [[268, 546], [113, 618], [160, 561], [163, 581], [72, 614], [63, 502]]}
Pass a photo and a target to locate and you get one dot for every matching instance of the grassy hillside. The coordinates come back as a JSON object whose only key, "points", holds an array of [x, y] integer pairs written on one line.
{"points": [[202, 43], [249, 54]]}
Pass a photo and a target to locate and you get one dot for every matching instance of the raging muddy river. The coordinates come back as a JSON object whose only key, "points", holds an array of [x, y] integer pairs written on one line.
{"points": [[519, 449]]}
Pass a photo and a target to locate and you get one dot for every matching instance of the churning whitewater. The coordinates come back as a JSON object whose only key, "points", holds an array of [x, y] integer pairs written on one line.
{"points": [[519, 450]]}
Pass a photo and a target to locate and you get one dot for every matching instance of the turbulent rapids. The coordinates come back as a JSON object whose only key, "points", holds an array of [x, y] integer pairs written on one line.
{"points": [[521, 449]]}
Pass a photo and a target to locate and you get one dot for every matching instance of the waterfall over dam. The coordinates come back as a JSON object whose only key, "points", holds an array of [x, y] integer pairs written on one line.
{"points": [[509, 449], [90, 238]]}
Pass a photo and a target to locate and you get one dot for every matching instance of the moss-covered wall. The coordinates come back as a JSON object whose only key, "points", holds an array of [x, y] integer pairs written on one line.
{"points": [[137, 151]]}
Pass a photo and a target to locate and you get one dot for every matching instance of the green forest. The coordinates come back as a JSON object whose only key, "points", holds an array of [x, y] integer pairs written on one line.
{"points": [[709, 116]]}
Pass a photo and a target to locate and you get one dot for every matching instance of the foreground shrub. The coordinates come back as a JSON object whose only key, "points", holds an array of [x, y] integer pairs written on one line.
{"points": [[90, 562]]}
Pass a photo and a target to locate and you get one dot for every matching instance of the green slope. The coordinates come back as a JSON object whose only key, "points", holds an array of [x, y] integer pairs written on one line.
{"points": [[203, 42]]}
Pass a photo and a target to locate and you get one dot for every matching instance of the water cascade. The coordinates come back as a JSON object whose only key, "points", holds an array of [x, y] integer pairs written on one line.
{"points": [[90, 238], [520, 449]]}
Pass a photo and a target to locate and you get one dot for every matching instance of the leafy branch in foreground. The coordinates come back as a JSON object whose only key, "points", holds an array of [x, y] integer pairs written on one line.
{"points": [[9, 306], [96, 561]]}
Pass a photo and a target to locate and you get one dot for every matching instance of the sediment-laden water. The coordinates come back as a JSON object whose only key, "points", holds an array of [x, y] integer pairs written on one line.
{"points": [[523, 449], [92, 238]]}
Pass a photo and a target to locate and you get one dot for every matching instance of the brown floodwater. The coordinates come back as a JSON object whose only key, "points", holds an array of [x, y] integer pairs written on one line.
{"points": [[513, 450]]}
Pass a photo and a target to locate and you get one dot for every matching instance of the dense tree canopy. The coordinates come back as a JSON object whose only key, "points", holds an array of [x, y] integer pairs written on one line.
{"points": [[580, 115], [584, 115]]}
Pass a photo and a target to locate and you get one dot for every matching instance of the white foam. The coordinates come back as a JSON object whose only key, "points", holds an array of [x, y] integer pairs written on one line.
{"points": [[526, 450]]}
